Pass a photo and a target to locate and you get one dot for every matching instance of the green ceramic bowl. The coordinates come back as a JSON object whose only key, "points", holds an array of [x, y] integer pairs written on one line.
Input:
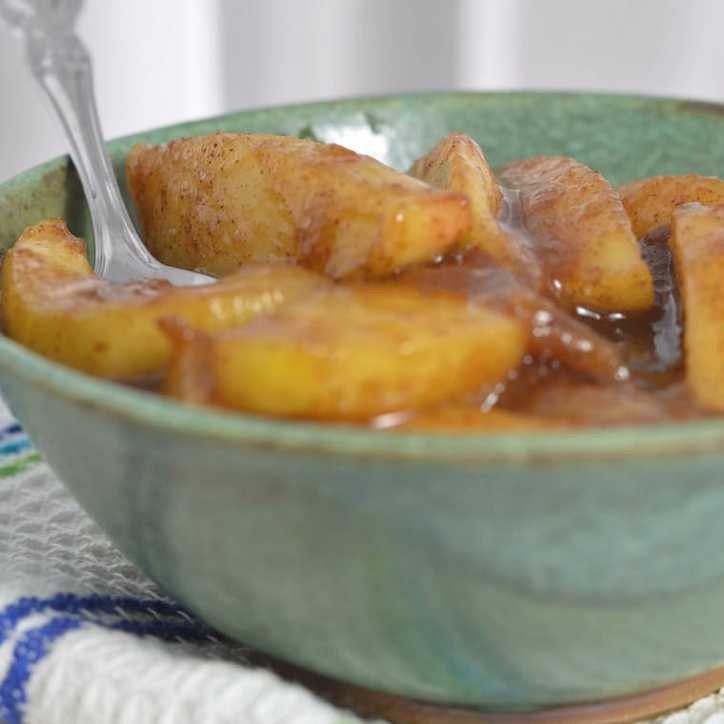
{"points": [[510, 571]]}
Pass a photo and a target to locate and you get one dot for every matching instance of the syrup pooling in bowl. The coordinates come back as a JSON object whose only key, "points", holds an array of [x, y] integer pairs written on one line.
{"points": [[651, 342], [587, 367]]}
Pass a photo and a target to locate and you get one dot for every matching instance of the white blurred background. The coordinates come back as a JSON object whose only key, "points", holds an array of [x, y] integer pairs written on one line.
{"points": [[162, 61]]}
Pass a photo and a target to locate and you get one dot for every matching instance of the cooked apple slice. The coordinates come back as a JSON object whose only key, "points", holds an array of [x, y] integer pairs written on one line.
{"points": [[697, 243], [555, 334], [458, 164], [650, 202], [218, 202], [352, 353], [54, 304], [190, 376], [583, 234], [601, 405]]}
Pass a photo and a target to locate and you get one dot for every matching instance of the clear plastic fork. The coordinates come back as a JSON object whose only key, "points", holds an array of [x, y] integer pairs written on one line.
{"points": [[62, 66]]}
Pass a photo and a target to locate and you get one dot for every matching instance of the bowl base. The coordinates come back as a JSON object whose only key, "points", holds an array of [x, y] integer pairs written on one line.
{"points": [[399, 710]]}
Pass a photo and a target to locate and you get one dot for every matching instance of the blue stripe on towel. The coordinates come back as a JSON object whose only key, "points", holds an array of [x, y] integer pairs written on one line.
{"points": [[93, 605], [14, 446], [163, 621], [35, 644], [12, 429], [13, 440], [30, 648]]}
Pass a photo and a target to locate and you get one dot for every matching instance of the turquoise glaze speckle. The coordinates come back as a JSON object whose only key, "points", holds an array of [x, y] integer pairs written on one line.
{"points": [[510, 571]]}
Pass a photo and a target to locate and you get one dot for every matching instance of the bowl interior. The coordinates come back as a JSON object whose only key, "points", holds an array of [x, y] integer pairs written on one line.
{"points": [[622, 137]]}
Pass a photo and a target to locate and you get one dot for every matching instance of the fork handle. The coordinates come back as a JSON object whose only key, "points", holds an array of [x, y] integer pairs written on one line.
{"points": [[61, 64]]}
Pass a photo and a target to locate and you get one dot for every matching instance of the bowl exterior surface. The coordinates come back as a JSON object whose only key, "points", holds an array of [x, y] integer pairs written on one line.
{"points": [[501, 573]]}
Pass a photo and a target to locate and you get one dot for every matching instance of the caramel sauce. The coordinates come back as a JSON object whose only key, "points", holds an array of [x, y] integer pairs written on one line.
{"points": [[563, 382], [585, 368]]}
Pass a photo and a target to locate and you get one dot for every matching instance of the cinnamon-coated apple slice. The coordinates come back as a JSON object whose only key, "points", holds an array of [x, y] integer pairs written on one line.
{"points": [[349, 353], [53, 303], [457, 163], [555, 334], [218, 202], [582, 234], [650, 202], [697, 243]]}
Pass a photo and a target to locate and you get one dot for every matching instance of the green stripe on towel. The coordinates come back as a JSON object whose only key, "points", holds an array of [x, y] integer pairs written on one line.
{"points": [[19, 465]]}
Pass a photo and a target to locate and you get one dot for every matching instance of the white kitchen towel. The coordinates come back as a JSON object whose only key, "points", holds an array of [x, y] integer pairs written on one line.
{"points": [[85, 638]]}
